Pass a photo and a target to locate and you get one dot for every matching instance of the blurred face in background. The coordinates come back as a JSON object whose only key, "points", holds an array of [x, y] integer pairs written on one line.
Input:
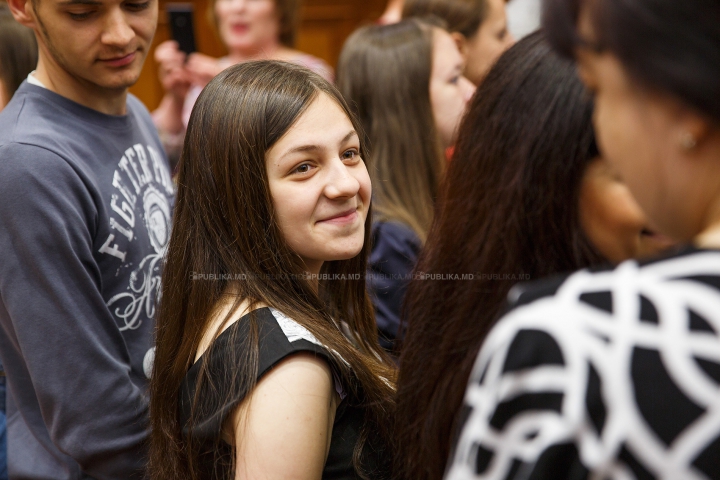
{"points": [[449, 89], [489, 42], [639, 131], [247, 25], [611, 218]]}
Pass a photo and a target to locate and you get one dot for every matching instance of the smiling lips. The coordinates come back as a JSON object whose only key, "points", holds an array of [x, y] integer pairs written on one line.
{"points": [[342, 218], [240, 28], [120, 61]]}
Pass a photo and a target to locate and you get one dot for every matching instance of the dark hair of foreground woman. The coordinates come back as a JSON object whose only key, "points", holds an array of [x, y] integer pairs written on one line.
{"points": [[509, 207]]}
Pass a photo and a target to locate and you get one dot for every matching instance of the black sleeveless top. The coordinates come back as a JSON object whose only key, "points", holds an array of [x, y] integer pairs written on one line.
{"points": [[278, 337]]}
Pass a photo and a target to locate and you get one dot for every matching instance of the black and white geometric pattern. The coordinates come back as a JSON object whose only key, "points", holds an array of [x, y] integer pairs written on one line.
{"points": [[614, 376]]}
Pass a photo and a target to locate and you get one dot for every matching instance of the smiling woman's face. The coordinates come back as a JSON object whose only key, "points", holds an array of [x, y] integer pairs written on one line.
{"points": [[247, 25], [320, 186]]}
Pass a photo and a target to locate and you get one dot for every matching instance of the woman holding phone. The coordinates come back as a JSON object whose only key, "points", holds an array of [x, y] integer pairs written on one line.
{"points": [[250, 30], [267, 361]]}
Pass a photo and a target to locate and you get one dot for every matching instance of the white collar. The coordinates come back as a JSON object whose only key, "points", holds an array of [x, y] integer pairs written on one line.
{"points": [[31, 79]]}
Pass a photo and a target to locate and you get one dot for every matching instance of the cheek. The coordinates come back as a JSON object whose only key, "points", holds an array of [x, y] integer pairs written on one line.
{"points": [[365, 192], [292, 210], [624, 139], [221, 14], [482, 53], [146, 29], [617, 136], [263, 15], [448, 104]]}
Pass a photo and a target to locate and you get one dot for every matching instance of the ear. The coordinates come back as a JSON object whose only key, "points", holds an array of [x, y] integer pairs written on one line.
{"points": [[695, 129], [22, 11], [461, 43]]}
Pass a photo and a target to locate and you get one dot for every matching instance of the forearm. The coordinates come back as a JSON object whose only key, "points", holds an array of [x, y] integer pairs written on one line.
{"points": [[168, 116]]}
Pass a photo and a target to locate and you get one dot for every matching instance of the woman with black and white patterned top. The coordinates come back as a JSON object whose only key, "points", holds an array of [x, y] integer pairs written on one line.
{"points": [[616, 374]]}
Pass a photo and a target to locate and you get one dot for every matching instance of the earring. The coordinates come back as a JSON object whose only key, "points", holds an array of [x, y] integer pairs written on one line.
{"points": [[687, 141]]}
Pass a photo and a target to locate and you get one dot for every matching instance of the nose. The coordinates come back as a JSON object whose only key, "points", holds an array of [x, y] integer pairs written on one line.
{"points": [[238, 5], [340, 182], [509, 40], [117, 32], [468, 89]]}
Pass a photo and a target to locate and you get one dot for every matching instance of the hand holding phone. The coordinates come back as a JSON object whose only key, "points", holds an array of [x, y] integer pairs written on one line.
{"points": [[180, 16]]}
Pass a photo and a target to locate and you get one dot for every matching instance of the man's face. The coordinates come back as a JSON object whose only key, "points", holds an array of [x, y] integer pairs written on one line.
{"points": [[98, 42]]}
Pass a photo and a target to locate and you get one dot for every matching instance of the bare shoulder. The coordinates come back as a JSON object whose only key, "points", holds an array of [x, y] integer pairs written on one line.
{"points": [[283, 428]]}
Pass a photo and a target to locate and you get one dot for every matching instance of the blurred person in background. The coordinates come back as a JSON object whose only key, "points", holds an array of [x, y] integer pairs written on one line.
{"points": [[85, 208], [406, 85], [479, 27], [613, 373], [392, 13], [18, 54], [250, 30], [527, 195], [18, 57]]}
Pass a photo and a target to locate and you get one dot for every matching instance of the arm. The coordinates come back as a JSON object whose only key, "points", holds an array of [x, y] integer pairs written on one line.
{"points": [[392, 260], [203, 68], [175, 80], [62, 348], [282, 430]]}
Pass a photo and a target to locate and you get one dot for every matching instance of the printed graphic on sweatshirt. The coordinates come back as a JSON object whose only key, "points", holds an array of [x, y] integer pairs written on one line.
{"points": [[140, 204]]}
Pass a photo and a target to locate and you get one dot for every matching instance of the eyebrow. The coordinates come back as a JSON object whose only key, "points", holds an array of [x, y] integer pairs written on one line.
{"points": [[316, 148], [80, 2]]}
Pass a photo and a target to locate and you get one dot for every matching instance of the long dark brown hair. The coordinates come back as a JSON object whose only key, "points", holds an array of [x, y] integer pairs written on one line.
{"points": [[508, 211], [384, 74], [224, 225]]}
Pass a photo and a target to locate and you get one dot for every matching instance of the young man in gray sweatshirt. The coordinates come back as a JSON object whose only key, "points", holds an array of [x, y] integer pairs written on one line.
{"points": [[85, 209]]}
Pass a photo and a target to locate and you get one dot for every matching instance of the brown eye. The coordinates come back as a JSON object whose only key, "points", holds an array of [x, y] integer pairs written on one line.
{"points": [[350, 154]]}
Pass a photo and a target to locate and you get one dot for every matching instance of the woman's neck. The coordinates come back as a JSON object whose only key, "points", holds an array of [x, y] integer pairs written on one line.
{"points": [[709, 237], [270, 51]]}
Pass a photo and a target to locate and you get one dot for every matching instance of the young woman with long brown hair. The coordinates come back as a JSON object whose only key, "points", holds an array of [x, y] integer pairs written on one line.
{"points": [[405, 83], [253, 374], [526, 195]]}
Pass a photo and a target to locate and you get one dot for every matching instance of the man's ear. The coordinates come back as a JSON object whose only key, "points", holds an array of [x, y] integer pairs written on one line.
{"points": [[461, 43], [22, 11]]}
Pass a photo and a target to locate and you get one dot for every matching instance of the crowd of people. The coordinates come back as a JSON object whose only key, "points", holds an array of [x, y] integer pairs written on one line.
{"points": [[461, 255]]}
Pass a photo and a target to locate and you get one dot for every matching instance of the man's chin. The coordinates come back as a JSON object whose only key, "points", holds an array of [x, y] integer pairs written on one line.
{"points": [[118, 83]]}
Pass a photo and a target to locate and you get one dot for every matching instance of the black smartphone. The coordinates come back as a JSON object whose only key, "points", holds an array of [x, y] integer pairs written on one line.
{"points": [[180, 16]]}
